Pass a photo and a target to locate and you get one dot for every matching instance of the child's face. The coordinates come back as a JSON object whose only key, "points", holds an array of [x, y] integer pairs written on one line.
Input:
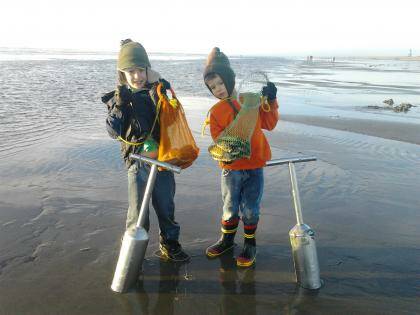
{"points": [[217, 87], [136, 77]]}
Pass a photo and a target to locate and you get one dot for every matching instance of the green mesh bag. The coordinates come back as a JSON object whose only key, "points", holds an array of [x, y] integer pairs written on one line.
{"points": [[235, 141]]}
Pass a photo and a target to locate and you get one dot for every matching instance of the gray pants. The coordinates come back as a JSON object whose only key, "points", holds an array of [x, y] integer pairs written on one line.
{"points": [[162, 200]]}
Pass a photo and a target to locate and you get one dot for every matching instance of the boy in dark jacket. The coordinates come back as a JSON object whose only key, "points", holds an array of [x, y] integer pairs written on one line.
{"points": [[133, 120]]}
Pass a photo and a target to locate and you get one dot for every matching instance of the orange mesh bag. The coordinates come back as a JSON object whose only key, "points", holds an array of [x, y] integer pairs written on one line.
{"points": [[177, 145]]}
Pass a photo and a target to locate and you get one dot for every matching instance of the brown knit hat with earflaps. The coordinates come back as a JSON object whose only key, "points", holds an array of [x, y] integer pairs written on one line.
{"points": [[132, 54], [218, 63]]}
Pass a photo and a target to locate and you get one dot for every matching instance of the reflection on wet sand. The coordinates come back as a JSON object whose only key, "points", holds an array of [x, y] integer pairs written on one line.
{"points": [[168, 285], [139, 300], [301, 301], [238, 287], [235, 293]]}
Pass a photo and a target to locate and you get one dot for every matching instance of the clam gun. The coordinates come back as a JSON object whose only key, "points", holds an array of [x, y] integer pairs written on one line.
{"points": [[302, 237], [134, 244]]}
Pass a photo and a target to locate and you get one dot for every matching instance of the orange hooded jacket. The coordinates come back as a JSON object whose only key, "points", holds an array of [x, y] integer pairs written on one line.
{"points": [[222, 114]]}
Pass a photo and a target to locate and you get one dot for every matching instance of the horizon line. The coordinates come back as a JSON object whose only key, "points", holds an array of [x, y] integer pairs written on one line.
{"points": [[317, 54]]}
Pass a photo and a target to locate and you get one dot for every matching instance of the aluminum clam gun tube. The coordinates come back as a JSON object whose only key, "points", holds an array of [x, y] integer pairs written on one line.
{"points": [[302, 237], [134, 244]]}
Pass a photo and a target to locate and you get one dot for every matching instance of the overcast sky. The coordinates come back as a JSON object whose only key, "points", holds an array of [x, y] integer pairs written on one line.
{"points": [[238, 27]]}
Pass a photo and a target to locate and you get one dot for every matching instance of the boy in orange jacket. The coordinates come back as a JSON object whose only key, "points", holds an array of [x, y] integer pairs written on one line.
{"points": [[242, 181]]}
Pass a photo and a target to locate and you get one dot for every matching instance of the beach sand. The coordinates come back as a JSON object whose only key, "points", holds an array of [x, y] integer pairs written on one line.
{"points": [[61, 224]]}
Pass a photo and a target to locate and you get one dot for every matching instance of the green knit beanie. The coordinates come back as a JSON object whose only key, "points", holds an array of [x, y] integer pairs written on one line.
{"points": [[218, 63], [132, 54]]}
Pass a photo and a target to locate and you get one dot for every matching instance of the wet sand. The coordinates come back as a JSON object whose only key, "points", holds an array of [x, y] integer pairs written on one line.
{"points": [[61, 223], [406, 132]]}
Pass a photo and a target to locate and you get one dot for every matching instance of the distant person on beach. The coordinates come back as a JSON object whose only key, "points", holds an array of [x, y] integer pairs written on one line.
{"points": [[133, 120], [242, 181]]}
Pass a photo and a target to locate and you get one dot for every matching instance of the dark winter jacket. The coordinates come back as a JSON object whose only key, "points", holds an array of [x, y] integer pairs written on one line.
{"points": [[132, 122]]}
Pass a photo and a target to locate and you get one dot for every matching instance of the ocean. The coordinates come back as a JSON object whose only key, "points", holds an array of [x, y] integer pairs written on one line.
{"points": [[49, 94]]}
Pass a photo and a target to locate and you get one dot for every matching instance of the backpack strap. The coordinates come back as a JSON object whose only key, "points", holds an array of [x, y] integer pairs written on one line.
{"points": [[207, 120]]}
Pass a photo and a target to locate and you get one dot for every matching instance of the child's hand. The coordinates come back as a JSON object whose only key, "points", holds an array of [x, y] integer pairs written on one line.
{"points": [[122, 95], [270, 91]]}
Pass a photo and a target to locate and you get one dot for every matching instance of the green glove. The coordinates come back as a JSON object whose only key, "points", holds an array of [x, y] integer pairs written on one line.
{"points": [[150, 145]]}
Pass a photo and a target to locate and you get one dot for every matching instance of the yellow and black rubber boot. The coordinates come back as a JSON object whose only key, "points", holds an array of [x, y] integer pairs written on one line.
{"points": [[226, 242], [248, 255]]}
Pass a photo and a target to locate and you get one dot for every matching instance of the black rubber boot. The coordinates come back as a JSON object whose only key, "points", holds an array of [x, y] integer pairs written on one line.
{"points": [[249, 252], [248, 255], [224, 244]]}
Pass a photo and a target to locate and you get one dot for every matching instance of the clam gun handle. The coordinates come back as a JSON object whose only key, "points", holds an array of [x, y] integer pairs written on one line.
{"points": [[290, 160], [167, 166], [293, 180]]}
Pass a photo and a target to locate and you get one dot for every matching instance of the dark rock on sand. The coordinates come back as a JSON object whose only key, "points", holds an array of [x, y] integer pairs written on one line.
{"points": [[389, 102], [403, 107]]}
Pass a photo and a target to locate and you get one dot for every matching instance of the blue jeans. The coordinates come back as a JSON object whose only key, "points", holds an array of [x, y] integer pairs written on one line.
{"points": [[242, 191], [162, 200]]}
